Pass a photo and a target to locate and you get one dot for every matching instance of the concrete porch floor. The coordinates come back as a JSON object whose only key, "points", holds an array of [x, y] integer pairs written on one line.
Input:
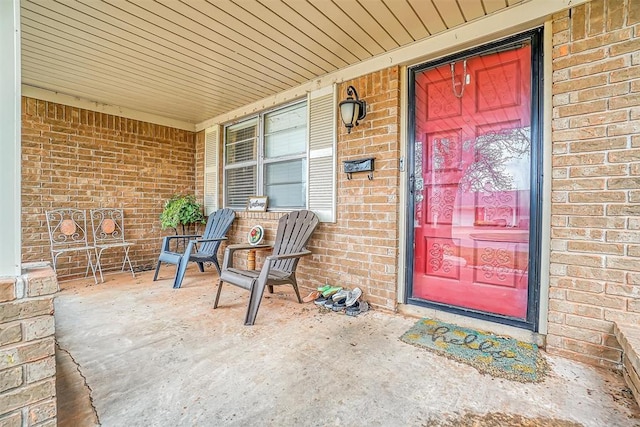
{"points": [[133, 352]]}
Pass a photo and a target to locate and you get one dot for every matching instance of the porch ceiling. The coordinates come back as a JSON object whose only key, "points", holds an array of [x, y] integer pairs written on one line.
{"points": [[191, 60]]}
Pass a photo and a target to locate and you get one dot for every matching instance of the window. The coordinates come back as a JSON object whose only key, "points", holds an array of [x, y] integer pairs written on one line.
{"points": [[267, 156], [241, 161], [287, 154]]}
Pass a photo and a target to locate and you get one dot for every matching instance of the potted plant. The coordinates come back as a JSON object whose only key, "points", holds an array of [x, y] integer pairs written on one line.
{"points": [[181, 211]]}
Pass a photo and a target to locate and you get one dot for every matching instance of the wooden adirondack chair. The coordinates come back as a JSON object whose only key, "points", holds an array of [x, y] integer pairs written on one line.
{"points": [[294, 231], [218, 224]]}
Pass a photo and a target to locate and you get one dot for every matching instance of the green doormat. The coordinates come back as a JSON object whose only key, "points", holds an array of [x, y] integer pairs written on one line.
{"points": [[490, 354]]}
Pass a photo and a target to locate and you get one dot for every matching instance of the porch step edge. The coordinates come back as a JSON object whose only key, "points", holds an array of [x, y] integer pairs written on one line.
{"points": [[629, 338]]}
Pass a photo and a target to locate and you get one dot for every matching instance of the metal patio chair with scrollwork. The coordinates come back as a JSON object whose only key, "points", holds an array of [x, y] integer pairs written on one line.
{"points": [[108, 233], [68, 234]]}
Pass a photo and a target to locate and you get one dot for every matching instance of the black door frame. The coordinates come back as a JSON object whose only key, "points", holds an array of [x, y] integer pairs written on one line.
{"points": [[537, 83]]}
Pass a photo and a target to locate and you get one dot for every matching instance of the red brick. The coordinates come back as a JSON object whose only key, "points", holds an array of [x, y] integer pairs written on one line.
{"points": [[7, 289], [23, 396], [596, 300], [583, 82], [599, 105], [615, 14], [576, 309], [595, 247], [625, 47], [588, 323], [602, 352], [584, 335], [578, 22], [598, 170]]}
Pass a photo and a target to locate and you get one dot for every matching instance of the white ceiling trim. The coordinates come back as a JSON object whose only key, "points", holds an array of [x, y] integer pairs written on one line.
{"points": [[509, 21], [74, 101]]}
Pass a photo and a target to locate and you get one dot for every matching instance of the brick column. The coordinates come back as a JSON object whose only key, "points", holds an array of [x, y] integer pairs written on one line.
{"points": [[595, 200], [27, 348]]}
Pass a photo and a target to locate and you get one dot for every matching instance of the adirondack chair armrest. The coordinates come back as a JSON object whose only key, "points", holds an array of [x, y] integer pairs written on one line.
{"points": [[227, 262], [245, 246], [183, 236], [287, 256], [209, 240], [194, 242], [166, 240]]}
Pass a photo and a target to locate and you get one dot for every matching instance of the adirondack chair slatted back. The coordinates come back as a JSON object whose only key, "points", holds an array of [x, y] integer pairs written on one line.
{"points": [[218, 224], [294, 231]]}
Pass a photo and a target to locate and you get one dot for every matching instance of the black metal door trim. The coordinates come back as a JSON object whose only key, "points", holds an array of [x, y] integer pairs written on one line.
{"points": [[535, 37]]}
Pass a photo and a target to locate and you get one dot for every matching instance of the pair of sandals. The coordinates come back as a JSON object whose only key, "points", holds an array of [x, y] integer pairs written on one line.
{"points": [[323, 292], [337, 299]]}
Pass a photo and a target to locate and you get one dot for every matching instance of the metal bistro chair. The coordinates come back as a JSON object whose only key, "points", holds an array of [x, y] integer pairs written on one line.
{"points": [[108, 233], [67, 234], [294, 231], [200, 249]]}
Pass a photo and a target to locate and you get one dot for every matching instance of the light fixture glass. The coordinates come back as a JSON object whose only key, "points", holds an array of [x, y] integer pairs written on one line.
{"points": [[352, 110]]}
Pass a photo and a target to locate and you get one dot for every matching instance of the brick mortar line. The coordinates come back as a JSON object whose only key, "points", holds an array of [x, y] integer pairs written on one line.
{"points": [[84, 380]]}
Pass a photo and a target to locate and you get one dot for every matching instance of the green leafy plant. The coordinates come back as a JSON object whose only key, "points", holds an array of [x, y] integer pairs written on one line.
{"points": [[181, 211]]}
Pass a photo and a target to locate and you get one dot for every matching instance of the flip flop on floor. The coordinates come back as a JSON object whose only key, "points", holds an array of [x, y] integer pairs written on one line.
{"points": [[332, 290], [323, 288], [313, 295]]}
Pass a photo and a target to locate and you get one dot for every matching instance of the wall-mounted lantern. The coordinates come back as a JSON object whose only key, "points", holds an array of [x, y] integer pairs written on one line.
{"points": [[352, 110]]}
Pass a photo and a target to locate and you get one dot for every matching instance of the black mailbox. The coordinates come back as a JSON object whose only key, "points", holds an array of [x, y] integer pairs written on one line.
{"points": [[360, 165]]}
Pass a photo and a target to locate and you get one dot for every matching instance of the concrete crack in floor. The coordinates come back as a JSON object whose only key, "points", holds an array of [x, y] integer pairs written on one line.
{"points": [[84, 380]]}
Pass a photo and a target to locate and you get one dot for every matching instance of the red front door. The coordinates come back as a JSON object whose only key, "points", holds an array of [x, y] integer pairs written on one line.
{"points": [[472, 187]]}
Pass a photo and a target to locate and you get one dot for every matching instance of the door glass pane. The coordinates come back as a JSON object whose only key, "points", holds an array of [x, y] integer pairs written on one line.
{"points": [[472, 188]]}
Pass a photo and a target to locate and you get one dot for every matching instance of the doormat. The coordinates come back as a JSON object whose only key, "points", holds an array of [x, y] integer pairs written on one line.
{"points": [[491, 354]]}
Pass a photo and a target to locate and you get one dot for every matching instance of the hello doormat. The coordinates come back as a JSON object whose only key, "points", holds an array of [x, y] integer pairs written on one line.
{"points": [[491, 354]]}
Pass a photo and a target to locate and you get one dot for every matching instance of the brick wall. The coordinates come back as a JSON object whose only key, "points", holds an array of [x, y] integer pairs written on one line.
{"points": [[27, 349], [595, 258], [361, 248], [83, 159]]}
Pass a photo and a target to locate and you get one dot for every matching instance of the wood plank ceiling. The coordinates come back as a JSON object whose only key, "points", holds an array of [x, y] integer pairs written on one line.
{"points": [[192, 60]]}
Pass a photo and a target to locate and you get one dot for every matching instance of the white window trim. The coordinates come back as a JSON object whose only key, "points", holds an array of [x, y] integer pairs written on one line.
{"points": [[325, 208]]}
